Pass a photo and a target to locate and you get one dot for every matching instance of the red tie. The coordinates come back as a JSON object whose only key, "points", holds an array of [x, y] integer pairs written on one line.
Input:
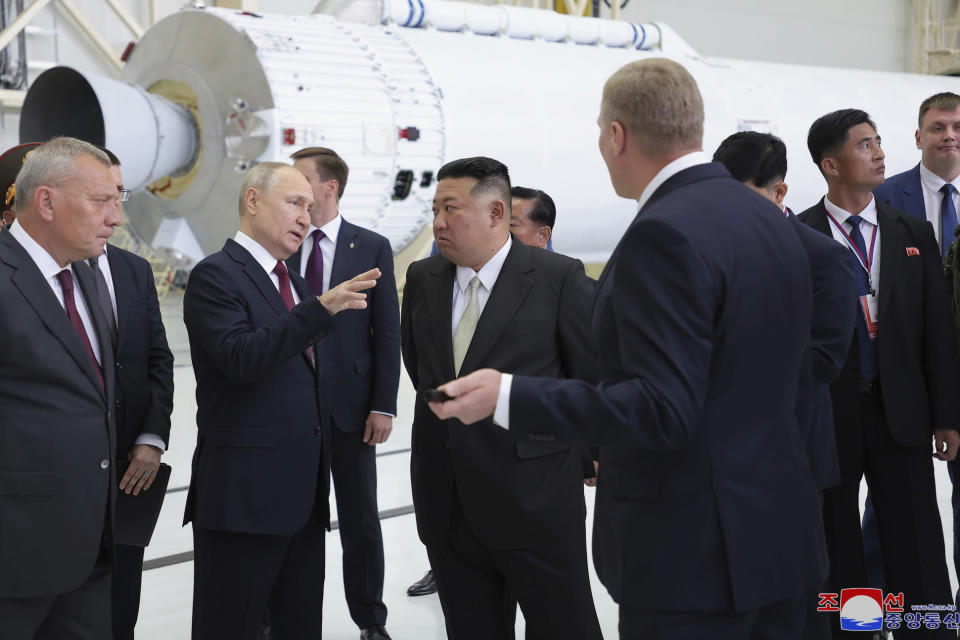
{"points": [[287, 294], [285, 291], [66, 283]]}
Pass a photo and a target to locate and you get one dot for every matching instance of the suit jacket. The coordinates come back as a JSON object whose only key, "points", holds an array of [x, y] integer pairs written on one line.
{"points": [[260, 460], [365, 353], [705, 499], [832, 325], [537, 322], [917, 349], [144, 364], [56, 433], [904, 192]]}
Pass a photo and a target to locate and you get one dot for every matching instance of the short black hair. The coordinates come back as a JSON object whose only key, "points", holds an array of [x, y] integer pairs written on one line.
{"points": [[751, 156], [490, 174], [114, 160], [828, 133], [544, 212]]}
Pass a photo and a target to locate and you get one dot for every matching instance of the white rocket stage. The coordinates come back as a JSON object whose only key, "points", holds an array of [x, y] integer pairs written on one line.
{"points": [[166, 600]]}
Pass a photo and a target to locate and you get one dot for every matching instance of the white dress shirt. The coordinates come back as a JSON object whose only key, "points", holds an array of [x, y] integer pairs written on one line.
{"points": [[328, 247], [49, 268], [869, 215], [104, 264], [265, 260], [488, 275], [931, 184], [501, 414]]}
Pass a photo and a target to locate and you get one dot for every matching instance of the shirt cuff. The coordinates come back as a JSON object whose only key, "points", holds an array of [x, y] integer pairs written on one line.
{"points": [[384, 413], [501, 415], [152, 439]]}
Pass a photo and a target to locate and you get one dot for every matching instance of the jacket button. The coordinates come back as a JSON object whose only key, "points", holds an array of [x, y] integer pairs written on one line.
{"points": [[116, 403], [104, 464], [318, 431], [447, 445]]}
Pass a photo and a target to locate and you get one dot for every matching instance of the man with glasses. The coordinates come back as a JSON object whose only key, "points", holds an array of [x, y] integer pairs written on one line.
{"points": [[144, 375]]}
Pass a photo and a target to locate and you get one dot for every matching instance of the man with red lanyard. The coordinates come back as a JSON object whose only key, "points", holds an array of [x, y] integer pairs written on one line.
{"points": [[894, 396]]}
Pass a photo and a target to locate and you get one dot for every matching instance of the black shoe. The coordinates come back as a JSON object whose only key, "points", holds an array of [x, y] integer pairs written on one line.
{"points": [[375, 632], [424, 586]]}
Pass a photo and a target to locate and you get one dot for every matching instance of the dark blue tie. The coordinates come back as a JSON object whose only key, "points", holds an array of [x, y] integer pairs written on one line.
{"points": [[948, 217], [868, 347]]}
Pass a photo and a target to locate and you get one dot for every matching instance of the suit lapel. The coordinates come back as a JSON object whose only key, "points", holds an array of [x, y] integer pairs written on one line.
{"points": [[344, 253], [303, 290], [913, 195], [257, 275], [818, 220], [293, 262], [439, 298], [38, 294], [508, 294], [892, 253], [123, 289]]}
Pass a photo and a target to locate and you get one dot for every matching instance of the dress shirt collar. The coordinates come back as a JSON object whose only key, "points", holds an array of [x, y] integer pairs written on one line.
{"points": [[869, 212], [933, 182], [261, 255], [331, 230], [683, 162], [488, 273], [40, 256]]}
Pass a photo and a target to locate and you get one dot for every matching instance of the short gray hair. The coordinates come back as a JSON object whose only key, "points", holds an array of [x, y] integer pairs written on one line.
{"points": [[52, 163], [262, 177]]}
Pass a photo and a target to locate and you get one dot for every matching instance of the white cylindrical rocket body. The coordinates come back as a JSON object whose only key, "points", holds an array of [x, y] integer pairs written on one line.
{"points": [[398, 102]]}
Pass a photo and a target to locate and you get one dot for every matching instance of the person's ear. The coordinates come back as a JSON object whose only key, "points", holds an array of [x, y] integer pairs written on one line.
{"points": [[780, 192], [498, 211]]}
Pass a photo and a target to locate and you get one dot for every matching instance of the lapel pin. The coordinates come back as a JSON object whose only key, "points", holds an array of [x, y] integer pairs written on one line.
{"points": [[913, 251], [351, 245]]}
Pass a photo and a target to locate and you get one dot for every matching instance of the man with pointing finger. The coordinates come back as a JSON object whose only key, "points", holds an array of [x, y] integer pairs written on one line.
{"points": [[258, 494]]}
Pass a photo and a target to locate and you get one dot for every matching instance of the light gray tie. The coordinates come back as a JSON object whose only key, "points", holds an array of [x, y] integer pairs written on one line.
{"points": [[467, 325]]}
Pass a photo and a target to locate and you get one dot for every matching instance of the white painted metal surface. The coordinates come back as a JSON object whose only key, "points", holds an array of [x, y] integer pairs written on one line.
{"points": [[461, 80]]}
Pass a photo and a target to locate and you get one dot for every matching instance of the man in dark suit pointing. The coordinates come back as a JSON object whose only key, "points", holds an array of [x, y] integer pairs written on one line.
{"points": [[258, 494], [363, 364], [707, 518], [56, 424]]}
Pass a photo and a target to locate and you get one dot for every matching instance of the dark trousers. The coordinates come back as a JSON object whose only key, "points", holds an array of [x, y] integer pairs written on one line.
{"points": [[80, 614], [237, 575], [354, 470], [904, 497], [125, 590], [871, 537], [550, 582], [780, 621]]}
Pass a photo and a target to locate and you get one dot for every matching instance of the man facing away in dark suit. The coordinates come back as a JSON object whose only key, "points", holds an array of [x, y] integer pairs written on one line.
{"points": [[930, 191], [363, 364], [759, 161], [499, 519], [56, 422], [897, 390], [258, 494], [144, 394], [707, 518]]}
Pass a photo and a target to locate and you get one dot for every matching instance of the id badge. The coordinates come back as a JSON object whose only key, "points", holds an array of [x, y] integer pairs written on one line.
{"points": [[870, 309]]}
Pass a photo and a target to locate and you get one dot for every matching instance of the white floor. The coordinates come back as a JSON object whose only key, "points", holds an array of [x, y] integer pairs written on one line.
{"points": [[167, 589]]}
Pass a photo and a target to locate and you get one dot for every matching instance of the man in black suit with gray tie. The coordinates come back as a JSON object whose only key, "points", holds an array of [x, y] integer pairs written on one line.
{"points": [[57, 482], [499, 519]]}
